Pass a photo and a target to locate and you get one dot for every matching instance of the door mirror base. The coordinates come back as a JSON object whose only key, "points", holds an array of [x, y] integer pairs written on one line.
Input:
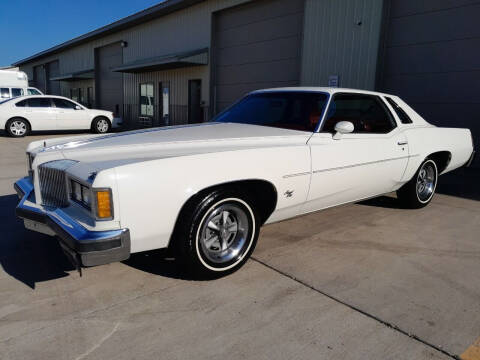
{"points": [[342, 127]]}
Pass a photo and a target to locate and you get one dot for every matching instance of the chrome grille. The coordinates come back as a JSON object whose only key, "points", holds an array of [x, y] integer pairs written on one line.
{"points": [[53, 184]]}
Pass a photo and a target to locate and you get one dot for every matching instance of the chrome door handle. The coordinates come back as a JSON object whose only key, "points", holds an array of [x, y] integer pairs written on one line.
{"points": [[402, 142]]}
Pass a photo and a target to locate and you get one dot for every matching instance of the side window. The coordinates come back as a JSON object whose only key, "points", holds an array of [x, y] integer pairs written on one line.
{"points": [[33, 91], [39, 102], [22, 103], [63, 104], [4, 93], [402, 115], [17, 92], [367, 113]]}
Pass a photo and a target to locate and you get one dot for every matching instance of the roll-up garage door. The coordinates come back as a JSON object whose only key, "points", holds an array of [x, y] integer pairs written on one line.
{"points": [[431, 59], [109, 84], [256, 45]]}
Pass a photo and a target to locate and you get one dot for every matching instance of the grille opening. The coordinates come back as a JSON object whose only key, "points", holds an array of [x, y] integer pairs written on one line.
{"points": [[53, 182]]}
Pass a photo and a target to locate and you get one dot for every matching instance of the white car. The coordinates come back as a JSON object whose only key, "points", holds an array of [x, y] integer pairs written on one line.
{"points": [[204, 190], [19, 116]]}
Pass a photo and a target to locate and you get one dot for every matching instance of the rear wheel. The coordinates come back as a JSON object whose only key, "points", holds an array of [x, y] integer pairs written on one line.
{"points": [[17, 127], [101, 125], [419, 191], [218, 232]]}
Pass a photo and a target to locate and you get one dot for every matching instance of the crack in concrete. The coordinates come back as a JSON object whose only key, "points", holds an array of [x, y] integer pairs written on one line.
{"points": [[356, 309], [99, 343]]}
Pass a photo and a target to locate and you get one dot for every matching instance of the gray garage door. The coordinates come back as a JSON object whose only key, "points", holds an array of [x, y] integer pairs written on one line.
{"points": [[52, 69], [39, 78], [109, 84], [432, 60], [256, 46]]}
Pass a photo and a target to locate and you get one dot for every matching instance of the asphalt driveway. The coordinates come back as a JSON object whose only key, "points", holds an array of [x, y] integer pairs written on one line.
{"points": [[361, 281]]}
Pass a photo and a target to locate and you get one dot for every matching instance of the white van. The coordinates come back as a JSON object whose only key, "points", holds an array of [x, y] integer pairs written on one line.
{"points": [[15, 83]]}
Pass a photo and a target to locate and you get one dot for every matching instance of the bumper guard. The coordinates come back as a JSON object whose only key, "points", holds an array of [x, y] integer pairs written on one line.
{"points": [[82, 246]]}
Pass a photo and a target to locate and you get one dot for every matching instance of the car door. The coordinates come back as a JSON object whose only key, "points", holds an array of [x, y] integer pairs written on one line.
{"points": [[367, 162], [40, 113], [70, 115]]}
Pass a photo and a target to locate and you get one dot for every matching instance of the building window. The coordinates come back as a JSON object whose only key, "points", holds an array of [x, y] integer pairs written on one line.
{"points": [[146, 99], [76, 94]]}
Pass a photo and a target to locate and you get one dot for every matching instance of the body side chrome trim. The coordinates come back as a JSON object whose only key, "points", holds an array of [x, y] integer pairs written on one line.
{"points": [[365, 163], [297, 174]]}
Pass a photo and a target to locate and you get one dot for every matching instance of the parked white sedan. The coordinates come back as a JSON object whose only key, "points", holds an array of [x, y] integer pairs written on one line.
{"points": [[204, 190], [19, 116]]}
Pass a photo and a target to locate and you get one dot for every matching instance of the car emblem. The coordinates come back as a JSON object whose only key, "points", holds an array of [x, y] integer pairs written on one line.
{"points": [[288, 193]]}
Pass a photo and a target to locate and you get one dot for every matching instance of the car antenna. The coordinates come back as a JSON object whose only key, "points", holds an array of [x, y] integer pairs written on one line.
{"points": [[44, 144]]}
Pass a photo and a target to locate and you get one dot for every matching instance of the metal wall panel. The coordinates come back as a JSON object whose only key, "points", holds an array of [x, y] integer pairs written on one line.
{"points": [[431, 59], [341, 38], [183, 30]]}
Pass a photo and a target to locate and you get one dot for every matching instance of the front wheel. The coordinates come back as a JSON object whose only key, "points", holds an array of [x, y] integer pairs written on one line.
{"points": [[101, 125], [419, 191], [218, 232], [17, 127]]}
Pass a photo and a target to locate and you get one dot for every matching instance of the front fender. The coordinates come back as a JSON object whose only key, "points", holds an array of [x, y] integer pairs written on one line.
{"points": [[152, 193]]}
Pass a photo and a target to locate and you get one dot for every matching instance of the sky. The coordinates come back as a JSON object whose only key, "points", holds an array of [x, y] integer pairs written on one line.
{"points": [[30, 26]]}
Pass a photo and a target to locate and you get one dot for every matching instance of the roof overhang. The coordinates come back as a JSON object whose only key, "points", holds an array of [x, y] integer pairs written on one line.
{"points": [[163, 8], [74, 76], [165, 62]]}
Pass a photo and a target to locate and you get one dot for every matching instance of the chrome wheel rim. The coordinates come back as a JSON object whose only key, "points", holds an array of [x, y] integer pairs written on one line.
{"points": [[224, 233], [102, 125], [18, 128], [426, 181]]}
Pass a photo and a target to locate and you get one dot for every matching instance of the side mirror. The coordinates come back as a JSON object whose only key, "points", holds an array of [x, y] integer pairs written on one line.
{"points": [[342, 127], [77, 107]]}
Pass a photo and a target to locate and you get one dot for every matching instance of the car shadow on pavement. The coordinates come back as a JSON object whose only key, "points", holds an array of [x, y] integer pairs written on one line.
{"points": [[25, 255], [162, 263], [461, 183]]}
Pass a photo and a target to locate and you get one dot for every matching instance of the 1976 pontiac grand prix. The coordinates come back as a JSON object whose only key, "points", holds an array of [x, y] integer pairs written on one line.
{"points": [[204, 190]]}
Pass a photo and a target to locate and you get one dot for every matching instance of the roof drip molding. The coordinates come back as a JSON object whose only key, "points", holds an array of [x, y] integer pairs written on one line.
{"points": [[165, 62], [163, 8]]}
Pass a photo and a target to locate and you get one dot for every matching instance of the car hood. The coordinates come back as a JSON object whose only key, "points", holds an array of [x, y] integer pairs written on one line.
{"points": [[106, 151]]}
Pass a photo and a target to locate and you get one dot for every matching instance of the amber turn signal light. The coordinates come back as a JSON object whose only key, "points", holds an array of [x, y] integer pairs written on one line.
{"points": [[104, 204]]}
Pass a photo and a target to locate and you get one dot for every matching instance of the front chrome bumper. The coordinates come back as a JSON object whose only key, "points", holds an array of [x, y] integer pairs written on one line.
{"points": [[84, 247]]}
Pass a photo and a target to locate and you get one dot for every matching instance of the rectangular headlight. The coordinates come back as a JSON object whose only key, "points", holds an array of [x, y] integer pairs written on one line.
{"points": [[80, 194]]}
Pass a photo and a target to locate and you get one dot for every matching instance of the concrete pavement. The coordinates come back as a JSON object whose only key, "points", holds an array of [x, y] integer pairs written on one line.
{"points": [[361, 281]]}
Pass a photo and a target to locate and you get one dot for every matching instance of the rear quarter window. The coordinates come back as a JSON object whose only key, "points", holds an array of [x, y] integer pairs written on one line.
{"points": [[402, 115]]}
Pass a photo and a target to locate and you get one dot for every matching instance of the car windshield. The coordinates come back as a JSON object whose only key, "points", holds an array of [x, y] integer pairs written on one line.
{"points": [[289, 110]]}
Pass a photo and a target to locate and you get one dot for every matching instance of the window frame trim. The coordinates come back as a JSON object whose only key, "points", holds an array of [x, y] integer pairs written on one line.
{"points": [[377, 96], [399, 119]]}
